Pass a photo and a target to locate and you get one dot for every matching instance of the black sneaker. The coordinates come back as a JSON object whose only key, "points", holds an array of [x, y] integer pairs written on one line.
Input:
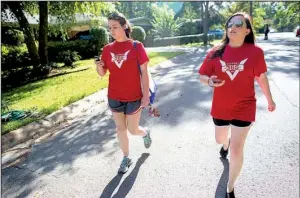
{"points": [[230, 195], [224, 152], [125, 164]]}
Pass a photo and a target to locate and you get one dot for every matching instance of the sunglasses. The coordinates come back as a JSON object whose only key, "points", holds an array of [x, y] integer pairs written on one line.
{"points": [[236, 23]]}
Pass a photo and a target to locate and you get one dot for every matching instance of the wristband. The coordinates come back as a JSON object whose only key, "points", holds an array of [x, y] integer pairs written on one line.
{"points": [[208, 82]]}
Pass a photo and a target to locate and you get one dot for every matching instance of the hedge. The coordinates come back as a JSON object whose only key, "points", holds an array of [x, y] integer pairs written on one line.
{"points": [[181, 40], [138, 33]]}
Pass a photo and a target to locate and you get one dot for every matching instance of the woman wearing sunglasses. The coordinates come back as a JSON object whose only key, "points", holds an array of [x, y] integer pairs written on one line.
{"points": [[231, 69], [125, 95]]}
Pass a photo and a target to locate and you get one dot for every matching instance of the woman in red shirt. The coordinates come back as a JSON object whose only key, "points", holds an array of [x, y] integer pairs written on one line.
{"points": [[128, 93], [231, 69]]}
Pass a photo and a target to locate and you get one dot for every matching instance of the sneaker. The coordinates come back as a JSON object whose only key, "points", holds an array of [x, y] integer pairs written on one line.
{"points": [[224, 152], [126, 162], [230, 195], [147, 139]]}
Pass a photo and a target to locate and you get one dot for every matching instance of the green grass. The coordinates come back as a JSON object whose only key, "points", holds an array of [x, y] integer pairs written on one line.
{"points": [[55, 92], [213, 43]]}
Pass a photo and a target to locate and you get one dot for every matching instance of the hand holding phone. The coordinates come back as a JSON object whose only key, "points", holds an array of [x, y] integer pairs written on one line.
{"points": [[97, 58], [98, 62], [214, 81]]}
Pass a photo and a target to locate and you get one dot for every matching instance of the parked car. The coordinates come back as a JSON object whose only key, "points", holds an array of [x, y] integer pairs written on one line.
{"points": [[297, 31], [217, 33]]}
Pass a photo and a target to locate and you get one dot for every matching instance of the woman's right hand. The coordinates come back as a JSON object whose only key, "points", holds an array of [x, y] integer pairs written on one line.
{"points": [[213, 81], [99, 64]]}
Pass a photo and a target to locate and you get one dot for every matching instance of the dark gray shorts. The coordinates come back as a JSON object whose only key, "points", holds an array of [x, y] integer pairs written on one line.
{"points": [[127, 108]]}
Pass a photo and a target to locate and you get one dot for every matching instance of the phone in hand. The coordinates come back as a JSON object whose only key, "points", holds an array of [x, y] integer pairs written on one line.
{"points": [[97, 58], [217, 80]]}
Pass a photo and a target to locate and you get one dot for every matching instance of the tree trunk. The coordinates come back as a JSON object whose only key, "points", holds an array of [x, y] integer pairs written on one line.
{"points": [[251, 11], [205, 23], [16, 7], [43, 32]]}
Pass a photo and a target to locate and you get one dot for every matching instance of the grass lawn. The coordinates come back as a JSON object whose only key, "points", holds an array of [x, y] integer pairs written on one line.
{"points": [[212, 43], [58, 91]]}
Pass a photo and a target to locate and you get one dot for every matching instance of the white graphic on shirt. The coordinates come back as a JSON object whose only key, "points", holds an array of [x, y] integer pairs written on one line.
{"points": [[119, 58], [232, 69]]}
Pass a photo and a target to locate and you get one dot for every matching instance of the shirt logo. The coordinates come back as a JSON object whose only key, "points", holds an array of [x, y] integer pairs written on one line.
{"points": [[118, 59], [232, 69]]}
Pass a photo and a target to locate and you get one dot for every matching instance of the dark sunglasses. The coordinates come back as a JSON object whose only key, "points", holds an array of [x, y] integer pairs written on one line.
{"points": [[236, 23]]}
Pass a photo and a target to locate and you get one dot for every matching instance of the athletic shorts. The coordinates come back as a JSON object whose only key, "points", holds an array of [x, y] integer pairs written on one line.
{"points": [[127, 108], [237, 123]]}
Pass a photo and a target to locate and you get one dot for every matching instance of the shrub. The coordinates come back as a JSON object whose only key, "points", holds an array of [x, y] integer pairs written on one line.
{"points": [[138, 33], [14, 57], [100, 38], [83, 47], [181, 40], [13, 37], [190, 28], [68, 57], [19, 76]]}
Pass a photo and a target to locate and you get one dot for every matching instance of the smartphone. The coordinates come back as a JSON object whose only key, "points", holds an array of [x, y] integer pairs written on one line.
{"points": [[97, 58], [217, 80]]}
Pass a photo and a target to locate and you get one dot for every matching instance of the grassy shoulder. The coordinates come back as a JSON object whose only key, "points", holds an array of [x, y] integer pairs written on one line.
{"points": [[212, 43], [63, 87]]}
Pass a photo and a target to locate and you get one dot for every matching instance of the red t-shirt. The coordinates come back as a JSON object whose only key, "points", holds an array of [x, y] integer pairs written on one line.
{"points": [[238, 67], [120, 58]]}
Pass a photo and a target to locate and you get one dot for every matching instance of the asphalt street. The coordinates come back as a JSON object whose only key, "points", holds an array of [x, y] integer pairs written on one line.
{"points": [[183, 162]]}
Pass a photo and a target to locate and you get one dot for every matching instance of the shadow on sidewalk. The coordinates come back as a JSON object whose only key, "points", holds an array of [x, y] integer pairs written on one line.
{"points": [[222, 185], [127, 183]]}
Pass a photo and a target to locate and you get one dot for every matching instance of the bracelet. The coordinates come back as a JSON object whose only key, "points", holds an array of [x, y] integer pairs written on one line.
{"points": [[209, 83]]}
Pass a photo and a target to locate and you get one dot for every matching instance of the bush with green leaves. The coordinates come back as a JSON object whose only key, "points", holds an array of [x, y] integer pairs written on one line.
{"points": [[138, 33], [83, 47], [12, 37], [190, 27], [181, 40], [164, 24], [68, 57], [100, 38], [14, 57]]}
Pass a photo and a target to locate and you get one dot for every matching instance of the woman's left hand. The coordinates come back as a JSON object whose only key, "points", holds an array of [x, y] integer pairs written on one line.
{"points": [[145, 101], [271, 106]]}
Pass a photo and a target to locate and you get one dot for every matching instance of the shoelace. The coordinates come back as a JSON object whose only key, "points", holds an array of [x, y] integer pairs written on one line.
{"points": [[146, 139], [124, 162]]}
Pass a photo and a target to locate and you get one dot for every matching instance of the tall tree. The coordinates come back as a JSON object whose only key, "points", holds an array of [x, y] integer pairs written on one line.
{"points": [[43, 32], [65, 13], [134, 9], [17, 8], [205, 22], [163, 22]]}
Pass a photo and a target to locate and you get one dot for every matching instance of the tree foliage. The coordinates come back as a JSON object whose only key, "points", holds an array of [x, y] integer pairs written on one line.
{"points": [[134, 9], [163, 22]]}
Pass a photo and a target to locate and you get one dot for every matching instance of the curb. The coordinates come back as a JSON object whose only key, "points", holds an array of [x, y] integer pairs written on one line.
{"points": [[37, 129]]}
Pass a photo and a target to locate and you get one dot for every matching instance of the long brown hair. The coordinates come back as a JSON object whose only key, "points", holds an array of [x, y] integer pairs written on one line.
{"points": [[117, 16], [250, 38]]}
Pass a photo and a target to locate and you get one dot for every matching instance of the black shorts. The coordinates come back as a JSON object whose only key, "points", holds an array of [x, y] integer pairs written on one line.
{"points": [[237, 123], [127, 108]]}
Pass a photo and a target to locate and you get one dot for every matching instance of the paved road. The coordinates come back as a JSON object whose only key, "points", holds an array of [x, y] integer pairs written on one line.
{"points": [[82, 160]]}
